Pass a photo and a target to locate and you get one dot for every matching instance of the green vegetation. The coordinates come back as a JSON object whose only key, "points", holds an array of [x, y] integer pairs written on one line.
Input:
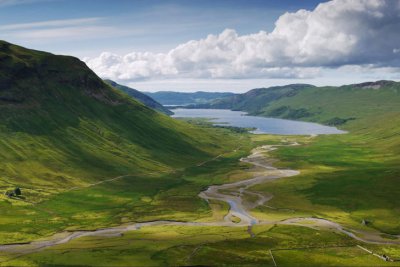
{"points": [[62, 129], [169, 196], [345, 178], [183, 99], [141, 97], [86, 156], [61, 125], [206, 122], [338, 105], [208, 246], [254, 100], [329, 105]]}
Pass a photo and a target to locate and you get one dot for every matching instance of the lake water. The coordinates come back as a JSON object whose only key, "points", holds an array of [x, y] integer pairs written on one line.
{"points": [[263, 125]]}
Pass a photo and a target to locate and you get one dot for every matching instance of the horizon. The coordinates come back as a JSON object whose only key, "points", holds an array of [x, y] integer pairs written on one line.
{"points": [[204, 91], [199, 133], [188, 46]]}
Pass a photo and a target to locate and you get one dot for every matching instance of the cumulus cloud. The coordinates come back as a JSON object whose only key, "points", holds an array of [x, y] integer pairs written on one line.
{"points": [[334, 34]]}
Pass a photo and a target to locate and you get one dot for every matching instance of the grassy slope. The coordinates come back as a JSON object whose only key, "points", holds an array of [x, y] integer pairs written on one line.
{"points": [[344, 177], [61, 127], [255, 100], [145, 197], [57, 115], [181, 98], [324, 104], [348, 177], [141, 97], [328, 105], [219, 246]]}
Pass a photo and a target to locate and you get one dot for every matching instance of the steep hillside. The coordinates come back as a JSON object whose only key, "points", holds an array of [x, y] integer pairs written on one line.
{"points": [[141, 97], [62, 125], [87, 156], [179, 98]]}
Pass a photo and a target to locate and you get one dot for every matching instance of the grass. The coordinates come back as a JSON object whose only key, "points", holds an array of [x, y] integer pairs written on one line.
{"points": [[139, 96], [340, 106], [346, 178], [170, 196], [219, 209], [338, 256], [324, 104], [209, 246], [219, 246], [62, 127]]}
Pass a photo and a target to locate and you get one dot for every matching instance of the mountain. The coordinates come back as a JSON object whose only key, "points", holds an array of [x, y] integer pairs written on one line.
{"points": [[329, 105], [181, 99], [62, 126], [85, 155], [141, 97], [253, 100]]}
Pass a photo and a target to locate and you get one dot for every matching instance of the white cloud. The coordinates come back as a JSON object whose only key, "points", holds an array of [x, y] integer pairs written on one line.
{"points": [[334, 34]]}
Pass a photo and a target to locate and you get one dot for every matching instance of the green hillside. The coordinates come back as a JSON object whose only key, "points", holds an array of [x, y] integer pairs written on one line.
{"points": [[87, 156], [141, 97], [328, 105], [58, 120], [62, 128], [346, 178], [181, 98], [254, 100]]}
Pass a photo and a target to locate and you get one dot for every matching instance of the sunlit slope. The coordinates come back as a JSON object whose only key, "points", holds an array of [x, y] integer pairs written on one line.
{"points": [[347, 178], [338, 105], [141, 97], [329, 105], [62, 125]]}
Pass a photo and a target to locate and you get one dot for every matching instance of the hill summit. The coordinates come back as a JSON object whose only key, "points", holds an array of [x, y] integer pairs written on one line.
{"points": [[60, 124]]}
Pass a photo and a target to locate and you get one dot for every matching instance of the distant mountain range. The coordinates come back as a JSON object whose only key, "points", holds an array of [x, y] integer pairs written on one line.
{"points": [[182, 99], [329, 105], [143, 98]]}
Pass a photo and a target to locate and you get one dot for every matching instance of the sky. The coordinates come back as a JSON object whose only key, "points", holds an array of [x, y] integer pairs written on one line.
{"points": [[218, 45]]}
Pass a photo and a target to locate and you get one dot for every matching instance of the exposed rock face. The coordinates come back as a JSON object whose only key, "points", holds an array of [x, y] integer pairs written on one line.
{"points": [[373, 85]]}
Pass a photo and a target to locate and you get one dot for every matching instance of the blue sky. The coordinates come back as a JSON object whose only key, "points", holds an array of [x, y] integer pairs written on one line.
{"points": [[143, 25], [146, 44]]}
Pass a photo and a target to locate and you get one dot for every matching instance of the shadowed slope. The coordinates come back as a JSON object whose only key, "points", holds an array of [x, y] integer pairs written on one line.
{"points": [[61, 124], [141, 97]]}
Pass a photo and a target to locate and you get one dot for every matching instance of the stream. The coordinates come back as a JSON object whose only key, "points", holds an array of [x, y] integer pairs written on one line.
{"points": [[231, 193]]}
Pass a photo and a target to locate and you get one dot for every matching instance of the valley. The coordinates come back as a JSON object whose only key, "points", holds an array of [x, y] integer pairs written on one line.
{"points": [[240, 197], [106, 180]]}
